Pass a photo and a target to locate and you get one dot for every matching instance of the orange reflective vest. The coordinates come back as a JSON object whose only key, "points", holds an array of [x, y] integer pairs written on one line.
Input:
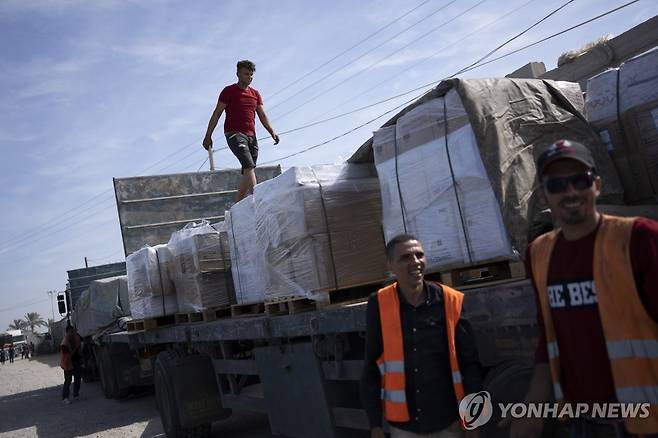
{"points": [[630, 333], [391, 362]]}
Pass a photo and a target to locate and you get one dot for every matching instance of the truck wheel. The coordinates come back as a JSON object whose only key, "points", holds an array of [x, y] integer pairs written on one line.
{"points": [[507, 383], [108, 377], [166, 401]]}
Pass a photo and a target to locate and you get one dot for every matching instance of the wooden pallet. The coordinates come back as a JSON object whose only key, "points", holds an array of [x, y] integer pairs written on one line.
{"points": [[216, 313], [150, 323], [291, 306], [188, 317], [247, 309], [485, 274]]}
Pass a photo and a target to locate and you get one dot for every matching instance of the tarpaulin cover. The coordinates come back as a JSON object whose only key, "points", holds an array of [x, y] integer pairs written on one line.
{"points": [[102, 303]]}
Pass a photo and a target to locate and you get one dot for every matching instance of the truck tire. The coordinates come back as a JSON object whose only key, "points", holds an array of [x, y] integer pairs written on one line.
{"points": [[166, 401], [507, 383], [107, 372]]}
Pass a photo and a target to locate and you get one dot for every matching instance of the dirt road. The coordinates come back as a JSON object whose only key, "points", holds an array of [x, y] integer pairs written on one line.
{"points": [[31, 406]]}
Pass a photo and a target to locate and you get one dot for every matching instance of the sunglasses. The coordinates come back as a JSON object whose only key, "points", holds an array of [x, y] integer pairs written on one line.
{"points": [[581, 181]]}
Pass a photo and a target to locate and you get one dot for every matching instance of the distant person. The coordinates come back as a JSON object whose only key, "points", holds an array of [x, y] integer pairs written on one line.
{"points": [[3, 356], [241, 103], [421, 359], [31, 350], [71, 363], [12, 352], [596, 284]]}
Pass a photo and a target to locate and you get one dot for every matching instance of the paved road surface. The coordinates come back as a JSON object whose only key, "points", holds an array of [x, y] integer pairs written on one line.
{"points": [[31, 406]]}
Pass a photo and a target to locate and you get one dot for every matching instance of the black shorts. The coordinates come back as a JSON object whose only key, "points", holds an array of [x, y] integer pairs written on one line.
{"points": [[244, 147]]}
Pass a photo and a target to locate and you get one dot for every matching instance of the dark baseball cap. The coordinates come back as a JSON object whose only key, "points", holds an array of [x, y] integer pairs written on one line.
{"points": [[564, 149]]}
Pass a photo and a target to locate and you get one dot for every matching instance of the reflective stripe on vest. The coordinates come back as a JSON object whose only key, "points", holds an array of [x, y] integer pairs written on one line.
{"points": [[633, 348], [394, 396], [638, 394], [391, 363], [630, 333], [391, 366], [553, 350]]}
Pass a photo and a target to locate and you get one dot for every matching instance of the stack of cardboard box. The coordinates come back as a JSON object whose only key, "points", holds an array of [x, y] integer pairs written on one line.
{"points": [[622, 105], [202, 271], [150, 289], [320, 230], [436, 188], [247, 262]]}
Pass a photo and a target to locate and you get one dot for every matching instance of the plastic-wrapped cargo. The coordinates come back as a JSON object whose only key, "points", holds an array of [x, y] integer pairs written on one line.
{"points": [[511, 121], [201, 268], [150, 289], [638, 91], [319, 229], [437, 189], [101, 304], [606, 114], [247, 261]]}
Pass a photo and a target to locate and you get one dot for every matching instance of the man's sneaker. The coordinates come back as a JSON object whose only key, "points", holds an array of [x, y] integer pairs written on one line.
{"points": [[66, 401]]}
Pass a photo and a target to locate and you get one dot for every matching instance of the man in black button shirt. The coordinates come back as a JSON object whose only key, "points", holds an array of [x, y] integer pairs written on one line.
{"points": [[426, 371]]}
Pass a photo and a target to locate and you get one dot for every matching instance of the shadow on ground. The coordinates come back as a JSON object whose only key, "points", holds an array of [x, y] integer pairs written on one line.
{"points": [[240, 425], [52, 359], [43, 410]]}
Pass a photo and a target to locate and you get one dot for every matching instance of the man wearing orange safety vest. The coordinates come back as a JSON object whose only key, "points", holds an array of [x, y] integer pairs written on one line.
{"points": [[421, 357], [596, 279]]}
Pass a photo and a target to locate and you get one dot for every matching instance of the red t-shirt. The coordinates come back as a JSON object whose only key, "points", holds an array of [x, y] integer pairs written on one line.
{"points": [[586, 376], [240, 109]]}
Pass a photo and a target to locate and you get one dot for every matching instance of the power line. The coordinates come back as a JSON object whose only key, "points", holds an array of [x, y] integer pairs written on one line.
{"points": [[518, 35], [16, 307], [555, 34], [43, 227], [472, 67], [438, 52], [341, 135], [347, 50], [36, 238], [360, 72], [30, 237], [362, 55], [319, 122]]}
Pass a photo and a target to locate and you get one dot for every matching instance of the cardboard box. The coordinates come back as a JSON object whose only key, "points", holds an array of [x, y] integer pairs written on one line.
{"points": [[312, 221], [641, 124], [247, 260], [204, 290], [615, 131], [458, 220]]}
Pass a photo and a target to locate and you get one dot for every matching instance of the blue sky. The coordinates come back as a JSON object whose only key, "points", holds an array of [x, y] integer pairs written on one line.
{"points": [[103, 89]]}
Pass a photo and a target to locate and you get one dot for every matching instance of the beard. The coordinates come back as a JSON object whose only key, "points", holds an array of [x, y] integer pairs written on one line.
{"points": [[573, 216]]}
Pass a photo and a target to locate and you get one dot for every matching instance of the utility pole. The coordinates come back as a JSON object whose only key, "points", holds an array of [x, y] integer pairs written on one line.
{"points": [[86, 264], [52, 306]]}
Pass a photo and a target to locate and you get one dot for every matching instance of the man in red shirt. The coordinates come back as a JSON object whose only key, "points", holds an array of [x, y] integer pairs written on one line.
{"points": [[241, 103], [597, 293]]}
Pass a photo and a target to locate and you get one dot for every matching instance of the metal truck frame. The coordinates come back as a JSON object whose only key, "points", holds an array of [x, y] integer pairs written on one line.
{"points": [[301, 370]]}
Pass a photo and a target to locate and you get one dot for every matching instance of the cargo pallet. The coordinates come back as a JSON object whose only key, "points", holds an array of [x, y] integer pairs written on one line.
{"points": [[137, 325], [487, 273], [206, 315], [247, 309]]}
